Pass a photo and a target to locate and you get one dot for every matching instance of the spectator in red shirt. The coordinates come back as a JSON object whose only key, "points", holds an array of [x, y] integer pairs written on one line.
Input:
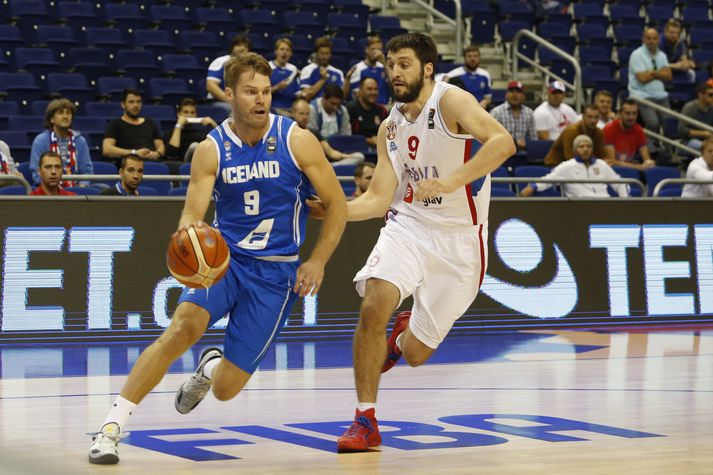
{"points": [[51, 176], [626, 140]]}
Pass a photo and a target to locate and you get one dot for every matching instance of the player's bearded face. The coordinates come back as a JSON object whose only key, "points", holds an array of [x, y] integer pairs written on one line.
{"points": [[410, 89], [251, 99]]}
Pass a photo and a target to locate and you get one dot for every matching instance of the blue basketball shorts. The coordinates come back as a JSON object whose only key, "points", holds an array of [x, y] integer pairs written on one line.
{"points": [[257, 295]]}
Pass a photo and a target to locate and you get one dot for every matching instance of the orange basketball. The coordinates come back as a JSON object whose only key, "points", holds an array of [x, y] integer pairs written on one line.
{"points": [[198, 257]]}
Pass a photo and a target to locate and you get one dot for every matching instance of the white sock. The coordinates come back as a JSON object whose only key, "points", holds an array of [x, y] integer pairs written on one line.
{"points": [[119, 412], [365, 406], [210, 367]]}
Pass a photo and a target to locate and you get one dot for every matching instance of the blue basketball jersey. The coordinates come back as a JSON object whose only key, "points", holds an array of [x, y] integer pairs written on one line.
{"points": [[260, 192]]}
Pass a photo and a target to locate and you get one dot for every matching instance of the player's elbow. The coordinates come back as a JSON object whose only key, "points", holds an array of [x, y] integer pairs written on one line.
{"points": [[506, 144]]}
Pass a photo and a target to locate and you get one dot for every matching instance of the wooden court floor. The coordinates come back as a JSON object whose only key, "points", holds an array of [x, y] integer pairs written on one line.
{"points": [[525, 402]]}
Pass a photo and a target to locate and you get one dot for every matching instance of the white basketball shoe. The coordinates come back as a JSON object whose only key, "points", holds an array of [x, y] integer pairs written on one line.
{"points": [[105, 445], [192, 392]]}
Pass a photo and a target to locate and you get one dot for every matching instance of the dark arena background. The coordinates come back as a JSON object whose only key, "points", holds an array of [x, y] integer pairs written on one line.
{"points": [[89, 269]]}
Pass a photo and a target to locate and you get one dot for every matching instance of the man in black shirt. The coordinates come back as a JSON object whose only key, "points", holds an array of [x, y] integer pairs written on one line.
{"points": [[364, 112], [188, 132], [131, 133]]}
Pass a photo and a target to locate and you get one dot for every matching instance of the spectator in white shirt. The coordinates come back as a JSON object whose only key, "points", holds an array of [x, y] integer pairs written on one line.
{"points": [[700, 169], [552, 116], [582, 166]]}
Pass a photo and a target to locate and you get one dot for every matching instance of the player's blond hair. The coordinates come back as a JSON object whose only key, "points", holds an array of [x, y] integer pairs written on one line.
{"points": [[235, 67]]}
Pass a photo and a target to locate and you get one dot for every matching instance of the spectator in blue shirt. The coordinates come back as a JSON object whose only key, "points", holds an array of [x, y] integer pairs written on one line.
{"points": [[372, 66], [648, 69], [284, 78], [61, 139], [476, 79], [214, 81], [316, 75]]}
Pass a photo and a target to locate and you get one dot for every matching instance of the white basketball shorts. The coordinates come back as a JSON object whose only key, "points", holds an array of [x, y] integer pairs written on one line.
{"points": [[441, 268]]}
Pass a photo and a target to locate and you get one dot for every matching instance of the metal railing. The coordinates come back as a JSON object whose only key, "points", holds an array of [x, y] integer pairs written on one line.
{"points": [[610, 181], [576, 86], [677, 115], [678, 181], [457, 23], [21, 180]]}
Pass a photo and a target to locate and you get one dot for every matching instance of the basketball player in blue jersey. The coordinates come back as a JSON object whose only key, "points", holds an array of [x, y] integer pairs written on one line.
{"points": [[433, 245], [259, 166]]}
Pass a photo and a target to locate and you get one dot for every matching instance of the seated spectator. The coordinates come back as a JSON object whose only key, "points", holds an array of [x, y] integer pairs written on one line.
{"points": [[362, 178], [214, 83], [648, 69], [676, 51], [584, 165], [700, 109], [131, 172], [317, 75], [553, 115], [131, 133], [7, 165], [284, 78], [188, 132], [563, 148], [515, 116], [364, 111], [700, 169], [51, 176], [327, 115], [626, 139], [477, 80], [59, 137], [301, 112], [372, 66], [603, 102]]}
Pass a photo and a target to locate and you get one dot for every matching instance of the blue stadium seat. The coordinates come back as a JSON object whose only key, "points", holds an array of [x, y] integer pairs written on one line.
{"points": [[168, 91], [201, 44], [90, 125], [171, 18], [501, 172], [29, 14], [38, 61], [346, 25], [537, 149], [305, 23], [140, 65], [183, 66], [157, 168], [111, 87], [628, 35], [30, 124], [587, 32], [111, 39], [159, 42], [10, 38], [56, 37], [656, 174], [19, 143], [344, 170], [159, 112], [9, 108], [536, 171], [24, 168], [177, 191], [386, 26], [694, 15], [626, 14], [516, 11], [701, 37], [625, 172], [77, 15], [147, 190], [217, 20], [259, 21], [217, 113], [70, 85], [659, 14], [13, 190], [105, 168], [483, 27], [21, 86], [124, 15]]}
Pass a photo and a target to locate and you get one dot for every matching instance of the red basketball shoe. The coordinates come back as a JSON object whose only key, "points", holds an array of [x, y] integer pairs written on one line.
{"points": [[393, 353], [362, 434]]}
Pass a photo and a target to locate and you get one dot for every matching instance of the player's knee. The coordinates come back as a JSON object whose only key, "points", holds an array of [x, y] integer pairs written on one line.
{"points": [[373, 318], [415, 359], [224, 392]]}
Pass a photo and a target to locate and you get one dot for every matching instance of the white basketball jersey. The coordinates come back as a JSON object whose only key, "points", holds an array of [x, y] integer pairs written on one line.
{"points": [[426, 149]]}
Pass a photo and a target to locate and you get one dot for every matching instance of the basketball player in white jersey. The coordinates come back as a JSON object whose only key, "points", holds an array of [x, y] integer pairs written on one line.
{"points": [[433, 243]]}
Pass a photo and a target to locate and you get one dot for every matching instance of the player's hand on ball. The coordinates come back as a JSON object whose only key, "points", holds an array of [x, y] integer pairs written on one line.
{"points": [[198, 224], [309, 278], [316, 208]]}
